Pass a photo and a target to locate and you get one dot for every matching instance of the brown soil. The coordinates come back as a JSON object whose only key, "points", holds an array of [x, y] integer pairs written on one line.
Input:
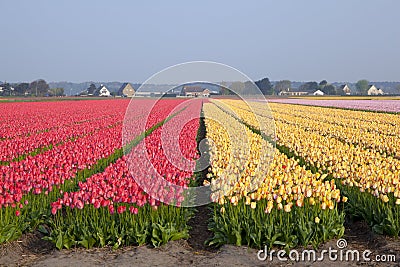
{"points": [[199, 232], [28, 248]]}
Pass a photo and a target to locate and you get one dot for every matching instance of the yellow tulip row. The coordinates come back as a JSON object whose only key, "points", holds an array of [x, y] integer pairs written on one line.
{"points": [[381, 143], [239, 157], [355, 133], [283, 183], [259, 117], [383, 123], [288, 184], [382, 135], [356, 166]]}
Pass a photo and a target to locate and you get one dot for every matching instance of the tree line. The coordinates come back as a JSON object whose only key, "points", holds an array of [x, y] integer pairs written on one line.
{"points": [[41, 88], [36, 88], [267, 88]]}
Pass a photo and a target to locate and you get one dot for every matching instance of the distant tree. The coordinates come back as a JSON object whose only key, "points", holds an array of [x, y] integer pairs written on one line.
{"points": [[340, 91], [223, 88], [91, 88], [309, 87], [21, 88], [362, 86], [282, 86], [265, 86], [56, 92], [398, 89], [6, 89], [39, 87], [248, 86], [237, 87], [330, 89], [322, 84]]}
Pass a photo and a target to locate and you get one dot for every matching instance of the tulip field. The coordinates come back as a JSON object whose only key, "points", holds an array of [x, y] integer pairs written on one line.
{"points": [[391, 104], [31, 184], [346, 156], [286, 178]]}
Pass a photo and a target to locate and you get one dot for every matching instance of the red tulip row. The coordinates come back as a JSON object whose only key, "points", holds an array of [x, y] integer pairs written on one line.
{"points": [[40, 173], [102, 115], [171, 151], [86, 118], [11, 149], [43, 171], [123, 181], [22, 119]]}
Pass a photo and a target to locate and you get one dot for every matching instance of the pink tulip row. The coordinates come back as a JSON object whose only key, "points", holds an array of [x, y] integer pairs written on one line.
{"points": [[25, 118], [171, 152], [22, 145], [43, 171], [86, 118], [372, 104], [40, 173], [122, 182]]}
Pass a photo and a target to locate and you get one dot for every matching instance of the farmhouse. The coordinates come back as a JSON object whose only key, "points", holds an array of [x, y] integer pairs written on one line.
{"points": [[126, 90], [195, 91], [318, 92], [102, 91], [345, 89], [292, 93], [374, 91]]}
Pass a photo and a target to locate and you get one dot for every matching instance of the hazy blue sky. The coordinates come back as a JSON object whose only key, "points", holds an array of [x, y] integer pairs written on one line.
{"points": [[341, 40]]}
